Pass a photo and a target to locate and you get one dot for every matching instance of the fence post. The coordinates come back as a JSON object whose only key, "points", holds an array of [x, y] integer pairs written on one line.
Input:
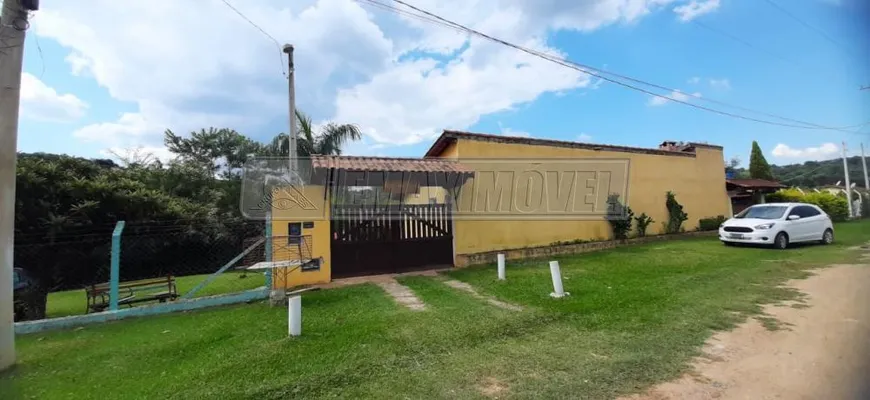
{"points": [[501, 272], [556, 274], [268, 247], [115, 270]]}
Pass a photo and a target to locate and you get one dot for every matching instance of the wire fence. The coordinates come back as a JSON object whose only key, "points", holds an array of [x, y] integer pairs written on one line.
{"points": [[149, 251], [54, 267]]}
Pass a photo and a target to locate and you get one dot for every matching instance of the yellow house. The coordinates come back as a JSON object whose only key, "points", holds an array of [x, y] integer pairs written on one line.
{"points": [[693, 171], [476, 193]]}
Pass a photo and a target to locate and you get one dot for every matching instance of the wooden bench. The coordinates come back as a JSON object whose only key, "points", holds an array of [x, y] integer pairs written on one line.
{"points": [[130, 293]]}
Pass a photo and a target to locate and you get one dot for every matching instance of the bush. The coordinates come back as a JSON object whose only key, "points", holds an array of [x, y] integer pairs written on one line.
{"points": [[619, 216], [784, 196], [642, 221], [865, 206], [711, 223], [835, 206], [676, 216]]}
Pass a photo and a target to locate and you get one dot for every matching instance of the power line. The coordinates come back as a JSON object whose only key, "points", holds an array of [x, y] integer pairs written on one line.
{"points": [[598, 73], [39, 48], [744, 42], [277, 45], [418, 17], [807, 25]]}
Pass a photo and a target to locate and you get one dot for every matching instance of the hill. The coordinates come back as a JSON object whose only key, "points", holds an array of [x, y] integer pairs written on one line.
{"points": [[815, 173]]}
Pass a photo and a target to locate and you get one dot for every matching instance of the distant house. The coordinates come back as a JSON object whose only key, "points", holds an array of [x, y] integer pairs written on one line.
{"points": [[746, 192]]}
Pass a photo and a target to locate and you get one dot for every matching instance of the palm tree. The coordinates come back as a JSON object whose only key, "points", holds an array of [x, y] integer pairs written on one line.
{"points": [[328, 141]]}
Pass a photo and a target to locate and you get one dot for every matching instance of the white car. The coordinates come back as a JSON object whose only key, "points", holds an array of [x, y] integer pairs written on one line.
{"points": [[778, 224]]}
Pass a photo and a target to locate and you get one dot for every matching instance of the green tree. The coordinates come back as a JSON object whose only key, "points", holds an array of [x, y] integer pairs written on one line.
{"points": [[218, 151], [328, 141], [758, 166]]}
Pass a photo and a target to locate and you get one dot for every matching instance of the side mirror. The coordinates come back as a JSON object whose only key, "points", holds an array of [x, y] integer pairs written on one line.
{"points": [[794, 217]]}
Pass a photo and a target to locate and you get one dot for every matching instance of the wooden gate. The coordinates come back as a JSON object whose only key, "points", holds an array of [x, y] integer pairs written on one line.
{"points": [[368, 239]]}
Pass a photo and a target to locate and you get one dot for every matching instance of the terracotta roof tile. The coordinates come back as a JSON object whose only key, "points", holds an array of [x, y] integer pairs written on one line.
{"points": [[756, 183], [354, 163]]}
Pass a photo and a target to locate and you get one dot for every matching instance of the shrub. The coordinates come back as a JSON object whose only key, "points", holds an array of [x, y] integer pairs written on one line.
{"points": [[784, 196], [676, 216], [711, 223], [642, 221], [619, 216], [865, 205], [833, 205]]}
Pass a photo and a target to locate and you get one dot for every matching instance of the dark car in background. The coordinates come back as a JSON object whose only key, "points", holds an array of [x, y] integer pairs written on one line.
{"points": [[28, 297]]}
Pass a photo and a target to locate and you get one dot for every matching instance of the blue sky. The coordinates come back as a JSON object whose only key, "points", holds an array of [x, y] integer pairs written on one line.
{"points": [[117, 83]]}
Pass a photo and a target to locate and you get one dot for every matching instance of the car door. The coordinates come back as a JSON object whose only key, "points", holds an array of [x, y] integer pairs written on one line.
{"points": [[798, 229], [815, 223]]}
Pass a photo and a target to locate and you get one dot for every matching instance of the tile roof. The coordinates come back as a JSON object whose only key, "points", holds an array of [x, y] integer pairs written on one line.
{"points": [[354, 163], [449, 136], [754, 183]]}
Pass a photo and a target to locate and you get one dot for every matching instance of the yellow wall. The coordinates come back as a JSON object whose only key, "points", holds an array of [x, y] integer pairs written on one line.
{"points": [[425, 193], [319, 235], [698, 182], [451, 151], [439, 193]]}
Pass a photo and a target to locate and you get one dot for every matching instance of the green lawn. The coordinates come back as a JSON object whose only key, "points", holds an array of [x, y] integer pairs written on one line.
{"points": [[635, 316], [73, 302]]}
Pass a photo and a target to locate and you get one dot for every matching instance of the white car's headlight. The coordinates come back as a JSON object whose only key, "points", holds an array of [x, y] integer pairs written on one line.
{"points": [[764, 226]]}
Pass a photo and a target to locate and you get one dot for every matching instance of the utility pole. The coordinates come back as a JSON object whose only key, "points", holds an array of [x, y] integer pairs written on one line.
{"points": [[294, 162], [848, 185], [278, 295], [13, 23], [864, 163]]}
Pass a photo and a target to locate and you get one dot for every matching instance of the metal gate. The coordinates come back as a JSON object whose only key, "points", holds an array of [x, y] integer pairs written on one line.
{"points": [[369, 239]]}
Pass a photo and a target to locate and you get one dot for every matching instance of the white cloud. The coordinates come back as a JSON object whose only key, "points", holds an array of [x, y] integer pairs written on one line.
{"points": [[583, 137], [694, 9], [824, 151], [720, 83], [191, 67], [675, 95], [694, 80], [510, 132], [39, 101]]}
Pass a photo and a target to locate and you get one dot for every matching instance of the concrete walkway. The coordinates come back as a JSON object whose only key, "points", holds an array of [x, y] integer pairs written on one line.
{"points": [[491, 300], [401, 293]]}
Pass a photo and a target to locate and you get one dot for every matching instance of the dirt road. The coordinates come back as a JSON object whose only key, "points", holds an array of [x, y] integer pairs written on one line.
{"points": [[823, 352]]}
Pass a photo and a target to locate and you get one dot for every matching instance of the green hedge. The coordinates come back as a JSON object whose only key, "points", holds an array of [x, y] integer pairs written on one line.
{"points": [[711, 223], [833, 205]]}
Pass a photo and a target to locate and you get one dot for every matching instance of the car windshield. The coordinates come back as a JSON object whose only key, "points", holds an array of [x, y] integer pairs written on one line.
{"points": [[764, 212]]}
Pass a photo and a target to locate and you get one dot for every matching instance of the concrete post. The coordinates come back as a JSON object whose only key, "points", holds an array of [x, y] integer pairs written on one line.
{"points": [[294, 316], [501, 272], [13, 22], [115, 268], [556, 274], [848, 184]]}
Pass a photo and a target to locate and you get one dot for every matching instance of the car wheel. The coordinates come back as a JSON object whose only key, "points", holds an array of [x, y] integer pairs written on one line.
{"points": [[828, 237], [781, 241]]}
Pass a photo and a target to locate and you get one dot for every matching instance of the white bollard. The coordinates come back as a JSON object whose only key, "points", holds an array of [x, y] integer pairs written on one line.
{"points": [[294, 315], [501, 274], [556, 273]]}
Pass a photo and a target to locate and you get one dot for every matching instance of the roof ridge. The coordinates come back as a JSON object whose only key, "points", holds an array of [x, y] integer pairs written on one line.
{"points": [[428, 159], [447, 134]]}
